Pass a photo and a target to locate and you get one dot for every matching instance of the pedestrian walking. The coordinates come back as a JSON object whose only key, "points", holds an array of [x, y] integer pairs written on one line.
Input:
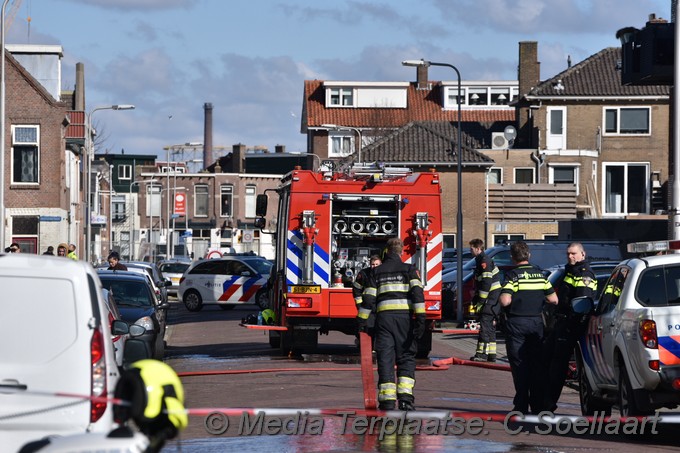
{"points": [[49, 251], [487, 290], [579, 280], [395, 291], [523, 295]]}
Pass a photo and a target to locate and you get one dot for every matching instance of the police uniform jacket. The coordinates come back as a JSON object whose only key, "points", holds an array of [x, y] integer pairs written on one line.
{"points": [[579, 280], [487, 277], [528, 287], [393, 287]]}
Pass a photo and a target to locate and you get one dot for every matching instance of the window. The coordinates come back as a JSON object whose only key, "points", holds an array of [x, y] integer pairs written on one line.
{"points": [[201, 200], [499, 239], [563, 174], [119, 208], [495, 176], [556, 137], [250, 201], [452, 97], [340, 144], [477, 96], [226, 200], [341, 97], [626, 188], [25, 157], [524, 175], [500, 96], [627, 120], [125, 172], [153, 206]]}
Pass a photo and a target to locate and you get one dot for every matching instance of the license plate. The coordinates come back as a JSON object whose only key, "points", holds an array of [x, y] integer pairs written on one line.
{"points": [[297, 289]]}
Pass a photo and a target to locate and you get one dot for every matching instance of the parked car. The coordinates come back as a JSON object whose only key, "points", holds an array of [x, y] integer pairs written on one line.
{"points": [[55, 338], [137, 304], [628, 355], [601, 269], [159, 283], [172, 270], [228, 281]]}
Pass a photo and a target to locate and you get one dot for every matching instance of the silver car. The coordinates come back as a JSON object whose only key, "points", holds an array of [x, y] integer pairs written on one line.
{"points": [[172, 270]]}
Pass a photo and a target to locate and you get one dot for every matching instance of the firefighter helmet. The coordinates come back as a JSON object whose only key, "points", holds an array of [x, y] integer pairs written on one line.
{"points": [[153, 397], [268, 317]]}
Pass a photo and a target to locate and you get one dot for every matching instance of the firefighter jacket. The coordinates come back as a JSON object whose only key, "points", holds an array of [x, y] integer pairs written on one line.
{"points": [[579, 280], [487, 279], [528, 287], [358, 285], [393, 287]]}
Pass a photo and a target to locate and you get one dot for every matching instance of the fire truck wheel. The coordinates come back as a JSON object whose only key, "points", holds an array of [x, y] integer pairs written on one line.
{"points": [[274, 339], [193, 301], [226, 307]]}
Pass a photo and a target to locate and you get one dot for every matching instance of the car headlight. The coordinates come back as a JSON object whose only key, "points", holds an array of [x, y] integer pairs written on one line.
{"points": [[145, 322]]}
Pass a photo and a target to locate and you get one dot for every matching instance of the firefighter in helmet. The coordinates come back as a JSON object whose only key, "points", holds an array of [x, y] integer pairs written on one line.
{"points": [[153, 398], [487, 290], [395, 291]]}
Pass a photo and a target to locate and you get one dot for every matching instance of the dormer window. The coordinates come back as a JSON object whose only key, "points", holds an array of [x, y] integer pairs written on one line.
{"points": [[341, 97]]}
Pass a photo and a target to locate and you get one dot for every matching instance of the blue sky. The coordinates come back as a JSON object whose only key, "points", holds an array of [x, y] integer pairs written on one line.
{"points": [[250, 58]]}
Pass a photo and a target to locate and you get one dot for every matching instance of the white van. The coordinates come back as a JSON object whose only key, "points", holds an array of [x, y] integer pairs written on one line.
{"points": [[55, 340]]}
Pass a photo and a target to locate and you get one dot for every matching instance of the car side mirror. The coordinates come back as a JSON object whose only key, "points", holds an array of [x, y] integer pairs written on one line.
{"points": [[246, 274], [164, 306], [582, 305], [119, 327]]}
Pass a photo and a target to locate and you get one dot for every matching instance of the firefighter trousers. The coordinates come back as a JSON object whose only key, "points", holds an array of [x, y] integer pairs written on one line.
{"points": [[395, 345], [486, 342]]}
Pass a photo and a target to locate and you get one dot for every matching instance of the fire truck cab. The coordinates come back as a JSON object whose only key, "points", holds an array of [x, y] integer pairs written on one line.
{"points": [[328, 225]]}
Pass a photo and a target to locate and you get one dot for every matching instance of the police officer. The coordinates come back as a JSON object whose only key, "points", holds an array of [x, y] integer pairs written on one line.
{"points": [[396, 292], [523, 295], [579, 280], [487, 289]]}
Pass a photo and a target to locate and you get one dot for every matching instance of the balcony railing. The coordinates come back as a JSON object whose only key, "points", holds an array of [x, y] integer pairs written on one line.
{"points": [[531, 202]]}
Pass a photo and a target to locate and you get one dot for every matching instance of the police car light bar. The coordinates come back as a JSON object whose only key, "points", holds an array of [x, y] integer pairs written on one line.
{"points": [[653, 246]]}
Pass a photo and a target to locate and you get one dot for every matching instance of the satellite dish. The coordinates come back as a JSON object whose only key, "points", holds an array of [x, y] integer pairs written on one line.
{"points": [[510, 133]]}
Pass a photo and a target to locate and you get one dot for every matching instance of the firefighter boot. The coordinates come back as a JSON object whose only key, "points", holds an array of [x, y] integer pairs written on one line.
{"points": [[406, 405], [386, 405], [480, 354], [491, 351], [387, 396]]}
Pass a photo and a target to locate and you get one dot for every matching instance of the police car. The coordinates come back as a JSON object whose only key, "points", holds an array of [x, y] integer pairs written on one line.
{"points": [[629, 355], [231, 280]]}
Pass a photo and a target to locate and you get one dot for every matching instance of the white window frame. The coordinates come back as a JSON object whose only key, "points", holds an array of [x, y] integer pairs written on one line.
{"points": [[498, 170], [250, 197], [154, 204], [618, 121], [555, 141], [624, 196], [344, 94], [35, 144], [124, 172], [450, 94], [119, 215], [533, 175], [227, 190], [346, 140], [577, 173], [198, 199]]}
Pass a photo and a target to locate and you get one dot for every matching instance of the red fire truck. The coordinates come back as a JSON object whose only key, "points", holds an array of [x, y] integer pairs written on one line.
{"points": [[328, 225]]}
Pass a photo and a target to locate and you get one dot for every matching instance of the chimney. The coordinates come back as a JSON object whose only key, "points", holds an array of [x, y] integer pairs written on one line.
{"points": [[80, 88], [529, 72], [280, 148], [207, 135], [421, 75], [237, 154]]}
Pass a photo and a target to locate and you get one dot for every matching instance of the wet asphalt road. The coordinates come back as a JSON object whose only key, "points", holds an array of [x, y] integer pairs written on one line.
{"points": [[212, 341]]}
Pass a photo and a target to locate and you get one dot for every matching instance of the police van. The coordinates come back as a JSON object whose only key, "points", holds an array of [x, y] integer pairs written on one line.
{"points": [[629, 354]]}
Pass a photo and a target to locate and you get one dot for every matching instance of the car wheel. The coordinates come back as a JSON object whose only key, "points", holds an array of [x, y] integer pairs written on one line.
{"points": [[627, 405], [193, 301], [226, 307], [589, 403], [159, 348], [262, 298]]}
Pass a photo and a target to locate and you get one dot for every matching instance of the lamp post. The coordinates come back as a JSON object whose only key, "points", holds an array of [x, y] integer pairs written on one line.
{"points": [[132, 217], [111, 192], [2, 126], [169, 253], [459, 167], [346, 128], [88, 182]]}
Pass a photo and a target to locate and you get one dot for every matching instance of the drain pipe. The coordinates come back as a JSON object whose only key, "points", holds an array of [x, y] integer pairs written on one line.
{"points": [[538, 158]]}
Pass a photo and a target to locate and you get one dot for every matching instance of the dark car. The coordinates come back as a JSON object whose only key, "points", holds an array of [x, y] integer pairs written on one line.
{"points": [[137, 304], [160, 283]]}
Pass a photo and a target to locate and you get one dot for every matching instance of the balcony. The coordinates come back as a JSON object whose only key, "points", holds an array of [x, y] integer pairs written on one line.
{"points": [[531, 202]]}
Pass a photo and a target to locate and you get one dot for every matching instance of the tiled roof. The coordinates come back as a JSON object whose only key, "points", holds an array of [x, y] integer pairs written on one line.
{"points": [[425, 142], [596, 76], [423, 105]]}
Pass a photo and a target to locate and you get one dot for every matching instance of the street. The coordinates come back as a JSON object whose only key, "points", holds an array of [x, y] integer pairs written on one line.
{"points": [[227, 369]]}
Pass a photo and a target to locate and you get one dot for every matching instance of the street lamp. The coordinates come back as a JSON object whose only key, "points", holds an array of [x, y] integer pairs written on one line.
{"points": [[459, 167], [132, 216], [346, 128], [2, 125], [88, 182], [168, 241]]}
